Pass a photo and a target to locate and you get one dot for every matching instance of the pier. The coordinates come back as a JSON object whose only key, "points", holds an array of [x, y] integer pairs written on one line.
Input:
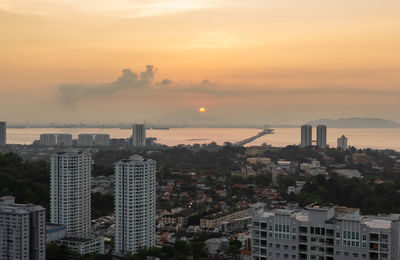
{"points": [[266, 131]]}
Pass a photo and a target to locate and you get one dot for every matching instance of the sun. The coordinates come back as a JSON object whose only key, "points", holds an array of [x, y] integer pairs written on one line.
{"points": [[202, 110]]}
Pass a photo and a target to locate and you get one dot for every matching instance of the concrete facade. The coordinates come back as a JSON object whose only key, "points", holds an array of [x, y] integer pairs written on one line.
{"points": [[70, 195], [135, 204], [22, 230], [324, 232]]}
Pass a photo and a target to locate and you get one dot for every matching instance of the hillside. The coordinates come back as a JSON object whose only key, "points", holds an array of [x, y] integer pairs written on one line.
{"points": [[356, 122]]}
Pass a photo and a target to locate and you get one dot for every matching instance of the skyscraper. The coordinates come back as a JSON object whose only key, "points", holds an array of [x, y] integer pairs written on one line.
{"points": [[70, 191], [3, 133], [138, 135], [135, 204], [22, 230], [321, 136], [306, 135], [342, 143]]}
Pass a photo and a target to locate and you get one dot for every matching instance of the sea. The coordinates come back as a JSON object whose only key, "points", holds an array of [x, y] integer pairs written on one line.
{"points": [[376, 138]]}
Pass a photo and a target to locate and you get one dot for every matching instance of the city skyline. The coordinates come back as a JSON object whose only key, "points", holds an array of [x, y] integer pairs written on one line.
{"points": [[237, 60]]}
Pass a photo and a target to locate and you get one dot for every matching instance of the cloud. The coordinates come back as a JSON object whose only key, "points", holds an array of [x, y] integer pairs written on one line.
{"points": [[205, 82], [72, 93], [166, 82], [116, 8]]}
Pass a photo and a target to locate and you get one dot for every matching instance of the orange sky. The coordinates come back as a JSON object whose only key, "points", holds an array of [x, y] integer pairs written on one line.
{"points": [[280, 61]]}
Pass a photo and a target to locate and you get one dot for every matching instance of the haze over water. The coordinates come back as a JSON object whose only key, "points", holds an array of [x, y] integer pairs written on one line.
{"points": [[377, 138]]}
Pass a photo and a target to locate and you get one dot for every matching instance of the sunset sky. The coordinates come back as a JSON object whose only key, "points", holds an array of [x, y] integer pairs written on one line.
{"points": [[245, 62]]}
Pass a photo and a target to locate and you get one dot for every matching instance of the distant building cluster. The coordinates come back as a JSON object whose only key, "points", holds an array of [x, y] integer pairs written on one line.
{"points": [[137, 139], [306, 136], [56, 139], [321, 142], [23, 229]]}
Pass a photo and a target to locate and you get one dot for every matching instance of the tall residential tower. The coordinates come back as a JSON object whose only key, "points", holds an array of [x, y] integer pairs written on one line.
{"points": [[22, 230], [306, 135], [3, 133], [70, 191], [135, 204], [138, 135], [321, 136], [342, 143]]}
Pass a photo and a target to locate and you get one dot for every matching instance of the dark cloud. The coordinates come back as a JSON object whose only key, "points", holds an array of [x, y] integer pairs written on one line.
{"points": [[72, 93], [166, 82], [205, 82]]}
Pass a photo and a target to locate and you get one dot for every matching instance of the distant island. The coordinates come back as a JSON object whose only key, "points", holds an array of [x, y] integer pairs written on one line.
{"points": [[356, 122]]}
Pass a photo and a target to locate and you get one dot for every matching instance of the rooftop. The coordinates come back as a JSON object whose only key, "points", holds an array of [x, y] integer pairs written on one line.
{"points": [[320, 206], [341, 214], [225, 212]]}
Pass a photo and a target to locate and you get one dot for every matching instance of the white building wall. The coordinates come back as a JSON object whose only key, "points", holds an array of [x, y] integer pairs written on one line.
{"points": [[22, 231], [135, 204], [70, 193]]}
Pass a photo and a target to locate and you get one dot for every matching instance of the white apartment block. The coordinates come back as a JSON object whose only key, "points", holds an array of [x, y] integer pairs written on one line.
{"points": [[55, 139], [3, 133], [83, 246], [324, 232], [70, 184], [138, 135], [342, 143], [22, 230], [135, 204]]}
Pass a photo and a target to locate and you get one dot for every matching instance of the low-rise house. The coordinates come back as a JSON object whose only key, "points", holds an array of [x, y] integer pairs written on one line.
{"points": [[83, 246], [214, 220], [180, 218]]}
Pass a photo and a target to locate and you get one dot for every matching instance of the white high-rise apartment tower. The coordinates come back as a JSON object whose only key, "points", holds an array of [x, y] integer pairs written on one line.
{"points": [[306, 135], [22, 230], [70, 191], [342, 143], [135, 204], [321, 136], [138, 135], [3, 133]]}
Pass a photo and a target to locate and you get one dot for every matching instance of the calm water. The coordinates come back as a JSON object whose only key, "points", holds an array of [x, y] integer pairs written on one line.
{"points": [[361, 138]]}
